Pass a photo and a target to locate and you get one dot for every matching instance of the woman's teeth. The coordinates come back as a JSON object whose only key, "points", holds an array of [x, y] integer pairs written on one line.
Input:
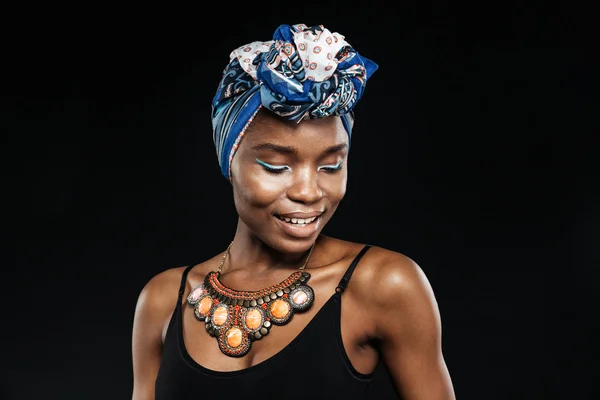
{"points": [[298, 221]]}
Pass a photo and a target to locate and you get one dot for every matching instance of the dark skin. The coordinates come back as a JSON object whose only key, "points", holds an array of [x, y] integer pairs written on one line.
{"points": [[402, 323]]}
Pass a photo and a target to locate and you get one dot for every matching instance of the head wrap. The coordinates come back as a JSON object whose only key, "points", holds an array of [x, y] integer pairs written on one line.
{"points": [[303, 73]]}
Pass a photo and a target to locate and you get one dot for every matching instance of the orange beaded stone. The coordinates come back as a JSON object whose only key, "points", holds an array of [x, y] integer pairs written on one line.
{"points": [[300, 297], [253, 319], [279, 308], [220, 316], [205, 305], [234, 337]]}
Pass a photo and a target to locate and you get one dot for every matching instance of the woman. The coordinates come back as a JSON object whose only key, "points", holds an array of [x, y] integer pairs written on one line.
{"points": [[285, 311]]}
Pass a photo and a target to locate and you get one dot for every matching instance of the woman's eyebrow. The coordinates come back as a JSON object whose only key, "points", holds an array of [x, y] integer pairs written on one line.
{"points": [[276, 148], [293, 150], [336, 148]]}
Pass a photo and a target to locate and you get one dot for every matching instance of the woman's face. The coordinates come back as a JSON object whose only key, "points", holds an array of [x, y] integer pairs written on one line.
{"points": [[289, 178]]}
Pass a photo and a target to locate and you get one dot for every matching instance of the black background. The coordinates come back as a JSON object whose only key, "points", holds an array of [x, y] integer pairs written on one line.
{"points": [[473, 153]]}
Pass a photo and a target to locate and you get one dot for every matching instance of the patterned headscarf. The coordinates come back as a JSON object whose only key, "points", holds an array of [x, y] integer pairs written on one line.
{"points": [[303, 73]]}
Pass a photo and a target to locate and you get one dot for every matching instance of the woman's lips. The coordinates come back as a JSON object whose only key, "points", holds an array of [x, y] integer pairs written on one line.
{"points": [[299, 227]]}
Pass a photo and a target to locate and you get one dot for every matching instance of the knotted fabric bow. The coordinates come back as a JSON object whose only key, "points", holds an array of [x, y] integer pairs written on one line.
{"points": [[303, 73]]}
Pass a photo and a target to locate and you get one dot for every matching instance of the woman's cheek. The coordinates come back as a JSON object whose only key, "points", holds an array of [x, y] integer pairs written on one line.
{"points": [[262, 189], [335, 186]]}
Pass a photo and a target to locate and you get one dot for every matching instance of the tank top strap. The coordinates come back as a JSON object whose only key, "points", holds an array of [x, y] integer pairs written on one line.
{"points": [[183, 279], [346, 278]]}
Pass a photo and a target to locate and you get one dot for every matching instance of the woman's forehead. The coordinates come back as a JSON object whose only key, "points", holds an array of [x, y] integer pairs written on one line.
{"points": [[328, 130]]}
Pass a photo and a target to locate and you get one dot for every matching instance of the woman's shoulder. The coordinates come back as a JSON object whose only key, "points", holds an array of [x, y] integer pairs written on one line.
{"points": [[165, 279], [164, 287], [160, 292], [389, 273], [389, 289], [159, 296]]}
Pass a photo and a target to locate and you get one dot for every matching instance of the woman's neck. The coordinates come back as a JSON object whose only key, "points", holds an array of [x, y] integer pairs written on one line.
{"points": [[248, 251]]}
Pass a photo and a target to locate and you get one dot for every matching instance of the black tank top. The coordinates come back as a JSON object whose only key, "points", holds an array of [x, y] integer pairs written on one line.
{"points": [[313, 366]]}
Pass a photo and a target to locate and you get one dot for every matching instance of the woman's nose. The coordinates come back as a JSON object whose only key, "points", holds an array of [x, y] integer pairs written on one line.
{"points": [[305, 187]]}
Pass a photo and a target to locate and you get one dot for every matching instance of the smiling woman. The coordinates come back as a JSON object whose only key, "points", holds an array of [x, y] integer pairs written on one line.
{"points": [[292, 172], [285, 311]]}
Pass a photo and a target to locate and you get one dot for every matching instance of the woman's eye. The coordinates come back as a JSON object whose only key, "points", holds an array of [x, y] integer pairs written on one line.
{"points": [[273, 169], [331, 168]]}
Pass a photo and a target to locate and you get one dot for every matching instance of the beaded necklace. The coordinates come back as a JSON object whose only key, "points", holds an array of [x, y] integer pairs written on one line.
{"points": [[237, 318]]}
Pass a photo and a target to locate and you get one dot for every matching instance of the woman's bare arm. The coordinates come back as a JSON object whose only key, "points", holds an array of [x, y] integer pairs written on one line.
{"points": [[408, 329], [153, 311]]}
